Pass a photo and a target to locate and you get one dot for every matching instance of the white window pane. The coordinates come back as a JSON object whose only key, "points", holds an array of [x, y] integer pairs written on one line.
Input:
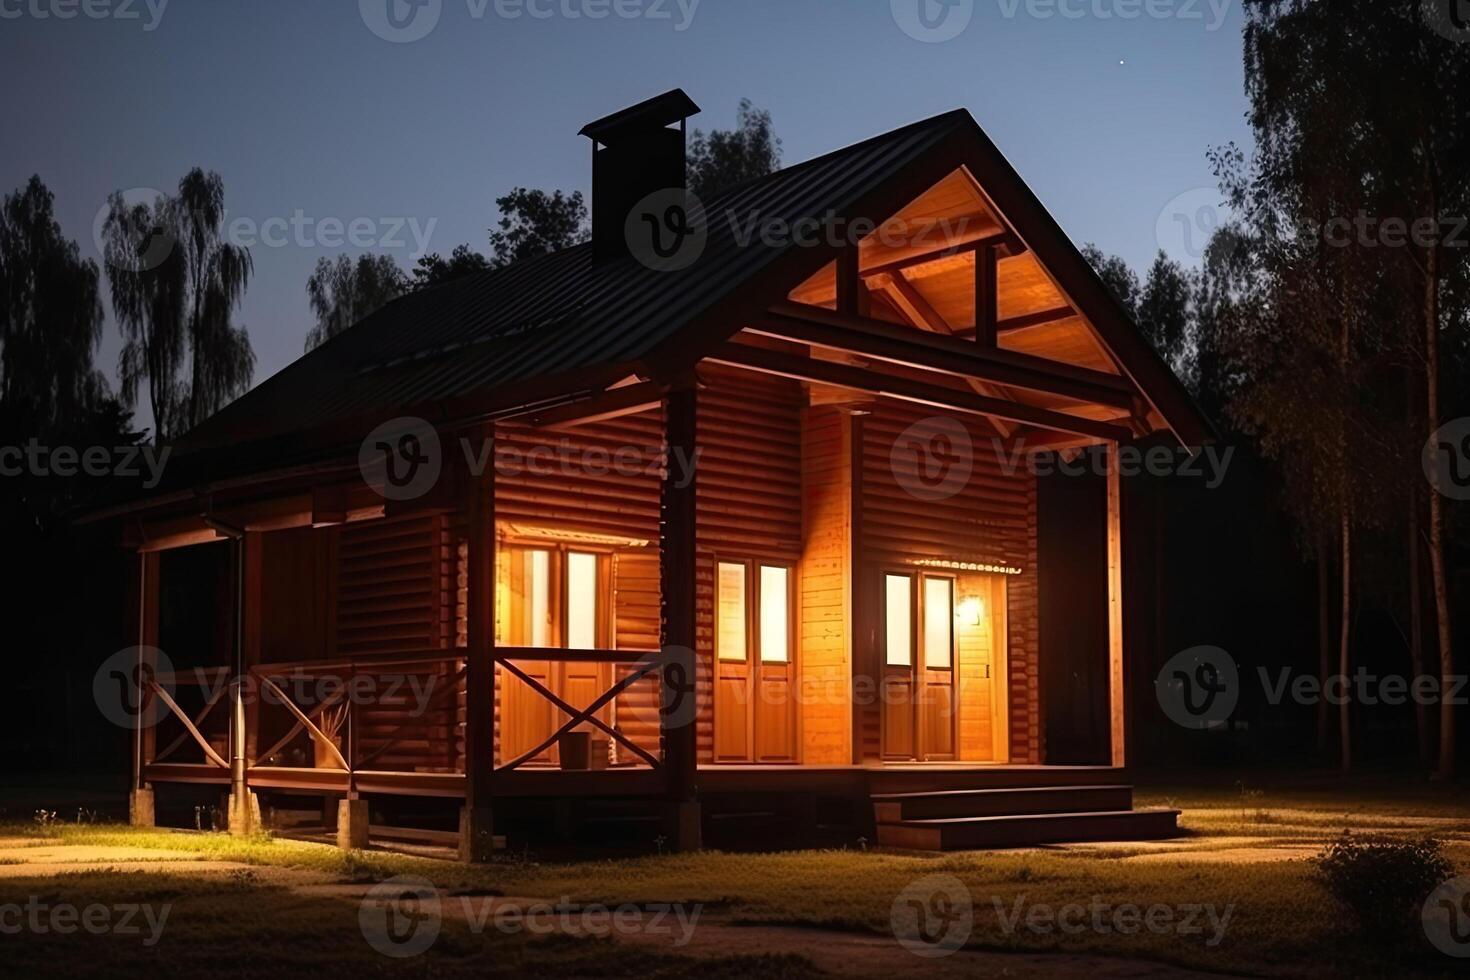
{"points": [[938, 623], [538, 598], [730, 639], [899, 620], [775, 617], [581, 601]]}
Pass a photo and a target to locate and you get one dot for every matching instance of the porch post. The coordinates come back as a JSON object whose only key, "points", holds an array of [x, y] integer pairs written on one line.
{"points": [[244, 808], [677, 568], [143, 630], [476, 826], [1117, 694]]}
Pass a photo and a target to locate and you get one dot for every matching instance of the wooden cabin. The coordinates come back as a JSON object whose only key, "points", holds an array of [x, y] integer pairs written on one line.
{"points": [[738, 535]]}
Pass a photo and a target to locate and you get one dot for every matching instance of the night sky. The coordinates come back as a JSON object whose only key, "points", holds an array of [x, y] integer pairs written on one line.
{"points": [[312, 117]]}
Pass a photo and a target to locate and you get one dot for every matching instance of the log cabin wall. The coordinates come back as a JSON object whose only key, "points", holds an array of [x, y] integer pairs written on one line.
{"points": [[990, 519], [749, 494], [826, 586], [601, 481]]}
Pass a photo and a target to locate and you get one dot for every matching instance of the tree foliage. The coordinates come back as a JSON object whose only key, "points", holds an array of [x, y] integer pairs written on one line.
{"points": [[176, 284], [533, 222], [723, 158], [342, 292]]}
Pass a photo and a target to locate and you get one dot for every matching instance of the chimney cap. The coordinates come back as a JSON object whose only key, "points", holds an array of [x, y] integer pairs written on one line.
{"points": [[655, 113]]}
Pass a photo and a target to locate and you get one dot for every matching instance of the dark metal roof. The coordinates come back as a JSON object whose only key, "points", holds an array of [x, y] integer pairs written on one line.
{"points": [[659, 111], [556, 315]]}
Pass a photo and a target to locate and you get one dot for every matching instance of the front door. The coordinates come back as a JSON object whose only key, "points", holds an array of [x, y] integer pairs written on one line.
{"points": [[755, 668], [918, 689]]}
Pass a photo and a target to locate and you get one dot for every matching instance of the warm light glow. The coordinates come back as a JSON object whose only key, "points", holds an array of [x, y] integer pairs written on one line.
{"points": [[775, 618], [899, 590], [972, 611], [938, 623], [538, 598], [730, 631], [581, 601]]}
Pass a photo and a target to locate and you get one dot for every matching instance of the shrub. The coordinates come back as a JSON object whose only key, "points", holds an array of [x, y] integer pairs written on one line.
{"points": [[1382, 881]]}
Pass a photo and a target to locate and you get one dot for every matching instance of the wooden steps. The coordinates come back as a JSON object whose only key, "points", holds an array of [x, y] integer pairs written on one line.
{"points": [[1016, 817]]}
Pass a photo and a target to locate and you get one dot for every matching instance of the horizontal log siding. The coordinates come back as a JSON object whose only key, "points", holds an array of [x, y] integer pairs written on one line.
{"points": [[990, 518], [603, 479], [749, 494]]}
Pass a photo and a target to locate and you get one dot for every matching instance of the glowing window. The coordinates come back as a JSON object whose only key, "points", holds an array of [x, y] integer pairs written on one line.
{"points": [[775, 615], [938, 623], [581, 601], [730, 630], [899, 620]]}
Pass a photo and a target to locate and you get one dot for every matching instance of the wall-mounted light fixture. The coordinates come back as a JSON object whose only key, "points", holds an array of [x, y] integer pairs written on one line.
{"points": [[971, 610]]}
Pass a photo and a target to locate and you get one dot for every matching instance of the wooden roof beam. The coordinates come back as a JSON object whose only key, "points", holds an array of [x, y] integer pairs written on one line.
{"points": [[904, 389], [951, 355]]}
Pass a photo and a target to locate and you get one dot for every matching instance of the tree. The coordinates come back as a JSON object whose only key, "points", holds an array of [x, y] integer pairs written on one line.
{"points": [[344, 292], [434, 269], [1116, 274], [50, 315], [1365, 93], [533, 222], [176, 284], [723, 158]]}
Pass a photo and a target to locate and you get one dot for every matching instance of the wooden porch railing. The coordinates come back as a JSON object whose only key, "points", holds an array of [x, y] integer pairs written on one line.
{"points": [[274, 679]]}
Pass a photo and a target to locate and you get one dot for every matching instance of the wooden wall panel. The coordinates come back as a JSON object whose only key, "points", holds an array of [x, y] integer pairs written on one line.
{"points": [[988, 517], [825, 579], [749, 491]]}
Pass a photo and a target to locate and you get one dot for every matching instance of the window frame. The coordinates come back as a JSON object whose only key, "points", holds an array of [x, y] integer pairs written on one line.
{"points": [[754, 654]]}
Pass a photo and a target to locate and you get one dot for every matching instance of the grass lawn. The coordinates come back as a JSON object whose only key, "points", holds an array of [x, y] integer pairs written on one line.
{"points": [[1245, 863]]}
